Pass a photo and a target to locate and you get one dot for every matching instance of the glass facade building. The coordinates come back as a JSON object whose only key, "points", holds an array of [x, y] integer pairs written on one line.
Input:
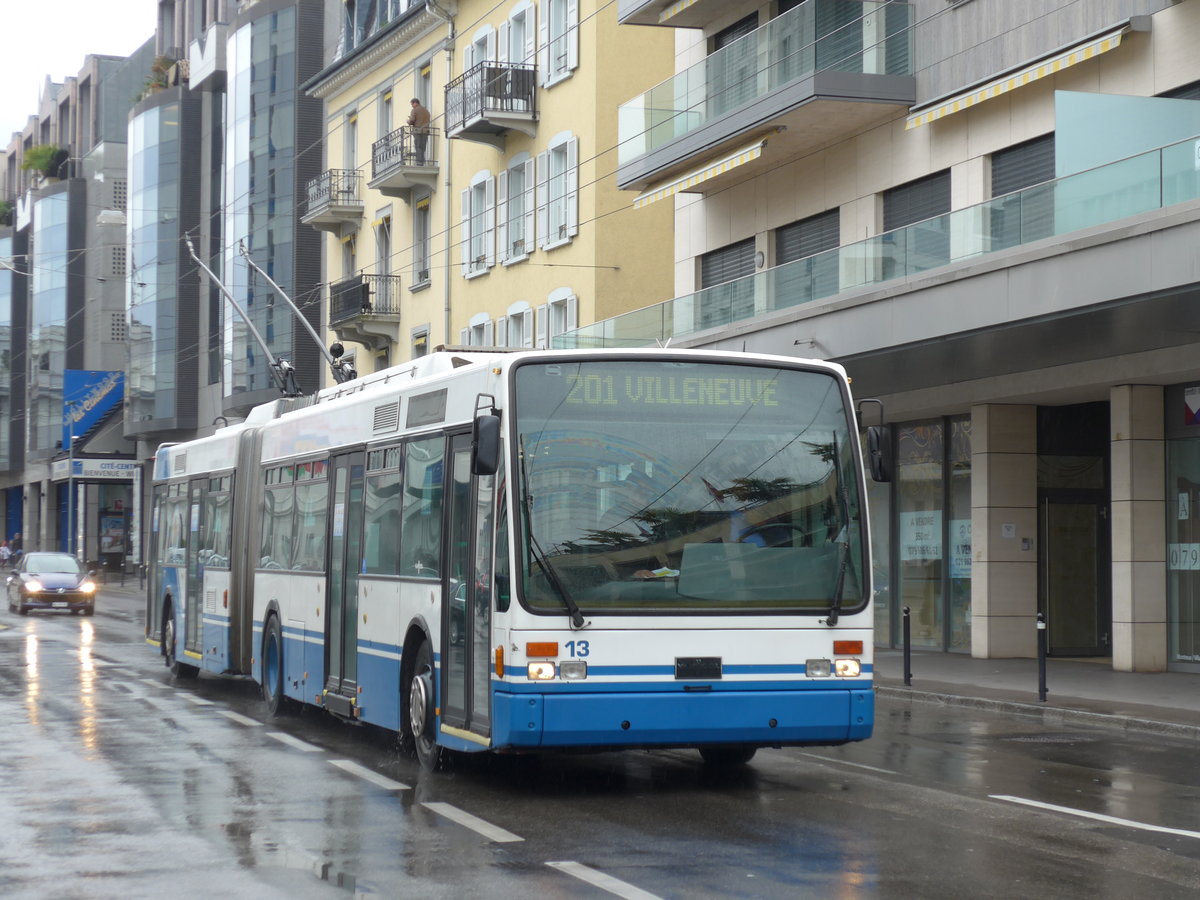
{"points": [[48, 321]]}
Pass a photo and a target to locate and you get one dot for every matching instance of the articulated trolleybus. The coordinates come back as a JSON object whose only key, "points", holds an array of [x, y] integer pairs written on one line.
{"points": [[535, 551]]}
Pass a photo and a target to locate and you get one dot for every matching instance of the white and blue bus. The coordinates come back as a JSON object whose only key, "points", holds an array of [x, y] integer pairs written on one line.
{"points": [[533, 551]]}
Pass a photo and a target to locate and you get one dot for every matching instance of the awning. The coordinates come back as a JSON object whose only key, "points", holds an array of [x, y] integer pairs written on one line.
{"points": [[1064, 59], [674, 9], [745, 155]]}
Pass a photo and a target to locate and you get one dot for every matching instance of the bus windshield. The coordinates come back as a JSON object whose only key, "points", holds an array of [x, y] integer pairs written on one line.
{"points": [[651, 486]]}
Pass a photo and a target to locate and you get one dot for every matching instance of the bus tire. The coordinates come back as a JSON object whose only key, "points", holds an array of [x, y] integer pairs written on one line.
{"points": [[421, 701], [174, 666], [727, 756], [277, 701]]}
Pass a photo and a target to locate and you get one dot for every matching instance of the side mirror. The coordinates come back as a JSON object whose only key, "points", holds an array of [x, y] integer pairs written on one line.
{"points": [[485, 445], [879, 452]]}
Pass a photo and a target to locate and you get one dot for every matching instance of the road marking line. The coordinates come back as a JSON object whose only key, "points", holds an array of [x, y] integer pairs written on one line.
{"points": [[374, 777], [153, 683], [604, 882], [239, 718], [199, 701], [293, 742], [844, 762], [1099, 817], [487, 829]]}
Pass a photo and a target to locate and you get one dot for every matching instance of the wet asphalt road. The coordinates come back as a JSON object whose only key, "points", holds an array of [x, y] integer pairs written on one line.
{"points": [[114, 782]]}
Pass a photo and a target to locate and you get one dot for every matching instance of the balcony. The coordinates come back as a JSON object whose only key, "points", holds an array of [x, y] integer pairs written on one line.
{"points": [[673, 13], [802, 79], [334, 199], [491, 99], [978, 290], [366, 309], [405, 159]]}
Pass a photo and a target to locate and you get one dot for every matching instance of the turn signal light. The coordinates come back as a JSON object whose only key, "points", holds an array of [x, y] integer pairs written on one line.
{"points": [[499, 662], [541, 648], [847, 648]]}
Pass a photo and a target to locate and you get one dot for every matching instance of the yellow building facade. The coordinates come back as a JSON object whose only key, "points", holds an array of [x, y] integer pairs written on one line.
{"points": [[500, 222]]}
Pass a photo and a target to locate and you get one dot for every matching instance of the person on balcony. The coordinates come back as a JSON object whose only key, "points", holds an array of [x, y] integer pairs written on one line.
{"points": [[418, 121]]}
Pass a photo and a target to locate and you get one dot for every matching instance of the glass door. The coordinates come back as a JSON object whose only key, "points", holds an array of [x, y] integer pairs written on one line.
{"points": [[1073, 565], [345, 555]]}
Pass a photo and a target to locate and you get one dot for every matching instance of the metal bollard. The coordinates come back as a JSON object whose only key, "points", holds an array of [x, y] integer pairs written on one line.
{"points": [[907, 647], [1041, 648]]}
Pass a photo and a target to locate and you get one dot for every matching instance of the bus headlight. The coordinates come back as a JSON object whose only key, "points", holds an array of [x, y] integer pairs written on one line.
{"points": [[541, 671], [573, 669], [817, 668], [847, 668]]}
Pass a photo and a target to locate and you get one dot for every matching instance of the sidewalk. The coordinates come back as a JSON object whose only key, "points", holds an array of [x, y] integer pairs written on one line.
{"points": [[1078, 692]]}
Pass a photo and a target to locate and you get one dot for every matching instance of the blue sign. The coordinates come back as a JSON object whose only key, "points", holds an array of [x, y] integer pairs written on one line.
{"points": [[88, 396]]}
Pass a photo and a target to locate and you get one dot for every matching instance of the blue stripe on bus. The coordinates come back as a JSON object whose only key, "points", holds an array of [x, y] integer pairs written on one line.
{"points": [[678, 687]]}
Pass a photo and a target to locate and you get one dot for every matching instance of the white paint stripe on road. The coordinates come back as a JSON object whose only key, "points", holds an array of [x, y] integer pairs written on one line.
{"points": [[1099, 817], [844, 762], [366, 774], [153, 683], [199, 701], [240, 719], [479, 826], [293, 742], [604, 882]]}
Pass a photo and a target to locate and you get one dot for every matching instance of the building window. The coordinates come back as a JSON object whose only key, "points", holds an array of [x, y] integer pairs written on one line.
{"points": [[478, 225], [385, 113], [517, 35], [479, 333], [727, 294], [804, 269], [926, 200], [1016, 220], [515, 329], [420, 274], [558, 36], [350, 146], [558, 194], [727, 263], [558, 315], [514, 213], [420, 341]]}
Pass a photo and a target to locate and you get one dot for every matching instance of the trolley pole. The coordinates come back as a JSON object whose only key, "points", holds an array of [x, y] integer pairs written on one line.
{"points": [[1041, 651], [907, 637]]}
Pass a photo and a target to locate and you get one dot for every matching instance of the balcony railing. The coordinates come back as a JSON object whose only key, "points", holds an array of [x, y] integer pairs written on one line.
{"points": [[364, 295], [1139, 184], [334, 190], [406, 146], [875, 38], [491, 91]]}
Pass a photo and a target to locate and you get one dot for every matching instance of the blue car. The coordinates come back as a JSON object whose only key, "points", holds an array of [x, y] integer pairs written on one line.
{"points": [[51, 581]]}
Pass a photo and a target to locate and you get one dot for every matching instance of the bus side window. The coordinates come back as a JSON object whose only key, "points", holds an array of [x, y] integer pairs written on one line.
{"points": [[503, 582]]}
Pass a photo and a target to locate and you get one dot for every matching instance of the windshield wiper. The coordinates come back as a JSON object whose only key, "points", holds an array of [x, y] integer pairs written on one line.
{"points": [[539, 556]]}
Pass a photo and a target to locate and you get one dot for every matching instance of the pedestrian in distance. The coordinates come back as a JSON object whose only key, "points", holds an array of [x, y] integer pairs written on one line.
{"points": [[5, 554], [418, 121]]}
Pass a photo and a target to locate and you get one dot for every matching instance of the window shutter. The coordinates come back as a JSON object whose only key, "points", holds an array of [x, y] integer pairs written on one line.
{"points": [[488, 338], [571, 206], [916, 201], [544, 40], [502, 48], [572, 313], [543, 190], [572, 34], [489, 220], [503, 248], [464, 337], [491, 45], [527, 328], [1023, 165], [529, 206], [808, 237], [465, 229], [530, 56], [468, 57], [502, 331], [543, 321], [727, 263]]}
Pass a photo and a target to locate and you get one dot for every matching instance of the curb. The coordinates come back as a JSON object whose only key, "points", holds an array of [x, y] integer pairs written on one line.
{"points": [[1051, 714]]}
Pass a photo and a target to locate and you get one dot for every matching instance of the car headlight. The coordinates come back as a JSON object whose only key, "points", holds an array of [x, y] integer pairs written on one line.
{"points": [[33, 586], [88, 587]]}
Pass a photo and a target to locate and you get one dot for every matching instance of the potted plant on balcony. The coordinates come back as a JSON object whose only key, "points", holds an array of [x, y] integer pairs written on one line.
{"points": [[46, 160]]}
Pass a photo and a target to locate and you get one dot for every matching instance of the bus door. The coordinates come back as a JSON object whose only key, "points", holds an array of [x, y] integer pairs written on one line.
{"points": [[192, 643], [467, 587], [345, 563]]}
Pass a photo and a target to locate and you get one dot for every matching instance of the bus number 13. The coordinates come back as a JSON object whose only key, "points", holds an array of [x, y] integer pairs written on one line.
{"points": [[577, 648]]}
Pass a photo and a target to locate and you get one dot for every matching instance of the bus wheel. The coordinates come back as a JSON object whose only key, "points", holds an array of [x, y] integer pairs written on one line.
{"points": [[178, 669], [421, 704], [272, 668], [727, 756]]}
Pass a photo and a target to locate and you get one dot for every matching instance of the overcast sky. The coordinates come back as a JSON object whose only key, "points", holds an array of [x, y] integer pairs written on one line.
{"points": [[52, 38]]}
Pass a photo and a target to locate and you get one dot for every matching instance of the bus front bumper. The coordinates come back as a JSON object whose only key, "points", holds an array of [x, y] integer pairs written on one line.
{"points": [[678, 719]]}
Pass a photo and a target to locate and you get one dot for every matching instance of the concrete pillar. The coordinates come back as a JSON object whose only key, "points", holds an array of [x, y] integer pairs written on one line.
{"points": [[1139, 564], [1003, 531]]}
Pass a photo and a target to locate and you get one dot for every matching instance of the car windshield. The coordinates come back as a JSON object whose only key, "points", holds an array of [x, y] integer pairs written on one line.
{"points": [[52, 564], [681, 487]]}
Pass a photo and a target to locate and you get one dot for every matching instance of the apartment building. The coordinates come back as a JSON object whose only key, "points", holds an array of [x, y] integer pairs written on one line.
{"points": [[66, 470], [499, 222], [988, 212]]}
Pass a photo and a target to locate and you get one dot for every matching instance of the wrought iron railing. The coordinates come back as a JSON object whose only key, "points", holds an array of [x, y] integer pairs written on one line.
{"points": [[406, 146], [336, 187], [364, 295], [490, 87]]}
